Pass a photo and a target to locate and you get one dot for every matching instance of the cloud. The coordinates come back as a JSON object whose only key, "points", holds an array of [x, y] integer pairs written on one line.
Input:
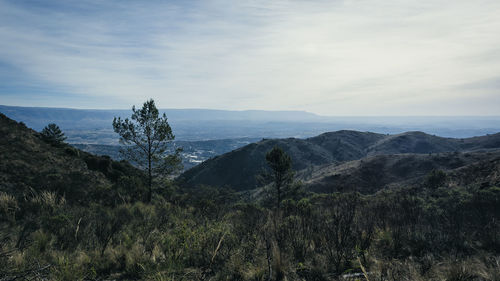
{"points": [[331, 57]]}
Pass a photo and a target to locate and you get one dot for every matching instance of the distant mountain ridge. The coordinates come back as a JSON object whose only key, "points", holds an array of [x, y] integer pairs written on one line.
{"points": [[237, 169], [38, 117], [91, 126]]}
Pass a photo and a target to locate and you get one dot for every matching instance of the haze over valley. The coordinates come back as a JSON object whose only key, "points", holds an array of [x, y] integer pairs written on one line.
{"points": [[204, 133]]}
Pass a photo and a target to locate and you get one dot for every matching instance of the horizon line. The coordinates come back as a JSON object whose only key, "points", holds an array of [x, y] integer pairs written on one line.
{"points": [[249, 110]]}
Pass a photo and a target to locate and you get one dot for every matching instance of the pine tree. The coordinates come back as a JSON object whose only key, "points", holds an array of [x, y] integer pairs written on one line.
{"points": [[281, 173], [146, 137], [282, 177], [53, 134]]}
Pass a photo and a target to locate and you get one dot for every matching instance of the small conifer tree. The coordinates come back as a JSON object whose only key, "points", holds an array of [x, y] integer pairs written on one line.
{"points": [[53, 134], [281, 174]]}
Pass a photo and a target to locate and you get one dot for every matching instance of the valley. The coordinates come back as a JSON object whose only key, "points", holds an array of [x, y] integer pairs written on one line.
{"points": [[193, 152]]}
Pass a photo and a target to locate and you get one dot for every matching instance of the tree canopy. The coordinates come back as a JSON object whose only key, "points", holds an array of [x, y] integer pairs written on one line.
{"points": [[146, 136], [281, 174], [53, 134]]}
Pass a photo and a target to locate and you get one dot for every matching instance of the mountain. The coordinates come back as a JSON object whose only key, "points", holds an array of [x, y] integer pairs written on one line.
{"points": [[29, 165], [413, 142], [91, 126], [238, 169], [38, 117], [95, 126]]}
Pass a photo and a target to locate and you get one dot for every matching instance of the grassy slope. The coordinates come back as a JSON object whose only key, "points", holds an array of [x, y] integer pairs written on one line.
{"points": [[28, 164]]}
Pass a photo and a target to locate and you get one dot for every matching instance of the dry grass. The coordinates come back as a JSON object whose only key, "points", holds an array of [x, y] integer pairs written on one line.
{"points": [[8, 205], [479, 268], [48, 199]]}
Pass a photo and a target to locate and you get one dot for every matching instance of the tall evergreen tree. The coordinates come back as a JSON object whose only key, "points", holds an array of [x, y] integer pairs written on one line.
{"points": [[146, 136], [281, 173]]}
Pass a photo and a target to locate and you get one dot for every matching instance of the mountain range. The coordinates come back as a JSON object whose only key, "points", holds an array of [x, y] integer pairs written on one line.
{"points": [[333, 161], [91, 126], [351, 160]]}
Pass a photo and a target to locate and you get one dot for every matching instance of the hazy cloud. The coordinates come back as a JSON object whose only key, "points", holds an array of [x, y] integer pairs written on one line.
{"points": [[330, 57]]}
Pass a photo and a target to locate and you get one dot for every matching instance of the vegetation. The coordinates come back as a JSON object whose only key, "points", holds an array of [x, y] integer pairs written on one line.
{"points": [[82, 219], [412, 155], [193, 152], [53, 134], [147, 136], [281, 174]]}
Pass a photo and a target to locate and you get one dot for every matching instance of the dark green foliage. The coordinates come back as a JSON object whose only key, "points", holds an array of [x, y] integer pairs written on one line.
{"points": [[435, 179], [146, 136], [29, 166], [52, 134], [79, 218], [310, 274], [339, 230], [221, 238], [107, 223], [280, 175]]}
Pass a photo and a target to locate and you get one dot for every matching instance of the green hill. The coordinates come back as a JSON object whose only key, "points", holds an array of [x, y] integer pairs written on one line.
{"points": [[30, 165], [237, 169]]}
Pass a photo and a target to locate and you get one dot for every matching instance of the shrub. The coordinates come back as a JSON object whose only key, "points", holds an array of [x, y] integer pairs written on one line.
{"points": [[8, 206]]}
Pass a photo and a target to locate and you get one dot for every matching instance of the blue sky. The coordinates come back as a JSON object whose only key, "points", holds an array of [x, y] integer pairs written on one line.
{"points": [[360, 57]]}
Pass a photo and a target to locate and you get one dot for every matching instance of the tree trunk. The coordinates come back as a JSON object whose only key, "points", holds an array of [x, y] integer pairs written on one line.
{"points": [[150, 176], [268, 256]]}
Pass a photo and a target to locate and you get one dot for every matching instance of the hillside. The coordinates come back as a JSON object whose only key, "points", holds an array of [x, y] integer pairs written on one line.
{"points": [[237, 169], [374, 173], [29, 165], [193, 152], [69, 215]]}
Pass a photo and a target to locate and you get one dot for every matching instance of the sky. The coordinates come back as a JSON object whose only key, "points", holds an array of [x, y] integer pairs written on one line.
{"points": [[352, 57]]}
